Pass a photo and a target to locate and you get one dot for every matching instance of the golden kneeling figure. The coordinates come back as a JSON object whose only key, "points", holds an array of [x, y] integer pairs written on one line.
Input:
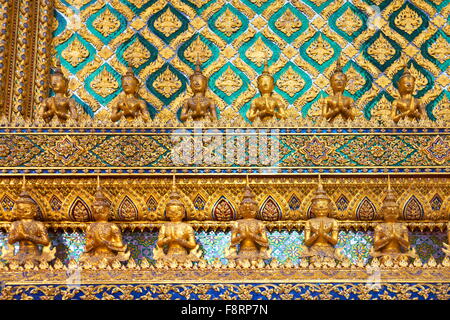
{"points": [[266, 107], [321, 232], [176, 239], [59, 106], [198, 107], [129, 105], [103, 238], [446, 248], [391, 240], [338, 104], [249, 243], [29, 233], [407, 107]]}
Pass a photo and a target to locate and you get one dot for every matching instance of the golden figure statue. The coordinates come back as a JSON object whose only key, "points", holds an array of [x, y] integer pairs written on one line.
{"points": [[29, 233], [59, 106], [176, 239], [129, 105], [407, 106], [266, 107], [391, 240], [249, 243], [103, 238], [338, 104], [198, 107], [321, 232]]}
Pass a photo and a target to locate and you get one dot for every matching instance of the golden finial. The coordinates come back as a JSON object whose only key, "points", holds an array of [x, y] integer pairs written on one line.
{"points": [[406, 72], [389, 183], [24, 181], [266, 67], [57, 69], [247, 181]]}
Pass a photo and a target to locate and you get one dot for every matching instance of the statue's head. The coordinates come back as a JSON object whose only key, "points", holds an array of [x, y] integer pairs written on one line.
{"points": [[58, 81], [130, 83], [198, 81], [321, 203], [26, 207], [100, 207], [406, 82], [265, 81], [249, 206], [338, 79], [390, 209], [175, 210]]}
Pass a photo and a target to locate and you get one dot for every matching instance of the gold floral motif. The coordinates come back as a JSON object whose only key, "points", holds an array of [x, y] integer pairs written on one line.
{"points": [[442, 109], [408, 20], [199, 3], [421, 80], [291, 82], [381, 50], [75, 53], [318, 2], [229, 82], [259, 53], [355, 80], [288, 23], [167, 23], [228, 23], [136, 54], [167, 83], [197, 50], [382, 110], [349, 22], [320, 50], [440, 49], [104, 83], [106, 23]]}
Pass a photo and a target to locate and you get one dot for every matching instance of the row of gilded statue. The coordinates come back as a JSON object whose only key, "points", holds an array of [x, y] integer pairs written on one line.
{"points": [[176, 241], [199, 107]]}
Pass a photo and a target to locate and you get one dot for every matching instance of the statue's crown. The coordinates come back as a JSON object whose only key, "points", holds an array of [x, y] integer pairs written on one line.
{"points": [[99, 197], [406, 73], [57, 69], [129, 74], [249, 196], [320, 192]]}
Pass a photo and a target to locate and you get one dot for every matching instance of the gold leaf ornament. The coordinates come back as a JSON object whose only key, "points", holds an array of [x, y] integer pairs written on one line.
{"points": [[167, 23], [259, 53], [197, 50], [229, 82], [136, 54], [408, 20], [349, 22], [106, 23], [381, 50], [290, 82], [320, 50], [104, 83], [167, 83], [228, 23], [75, 53], [288, 23]]}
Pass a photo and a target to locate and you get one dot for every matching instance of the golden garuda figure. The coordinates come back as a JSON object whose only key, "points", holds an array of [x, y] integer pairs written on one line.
{"points": [[407, 106], [249, 243], [29, 233], [60, 105], [321, 231], [391, 239], [103, 238], [338, 104], [266, 107], [198, 107], [176, 239], [129, 105]]}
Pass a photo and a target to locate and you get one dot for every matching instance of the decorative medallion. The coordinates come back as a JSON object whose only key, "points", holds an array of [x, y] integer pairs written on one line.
{"points": [[127, 210], [106, 23], [438, 150], [55, 203], [408, 20], [66, 150], [136, 54], [436, 203], [413, 209], [152, 204], [75, 53], [223, 210], [270, 210], [320, 50], [381, 50], [259, 52], [197, 50], [80, 211], [167, 83], [104, 83], [228, 23], [229, 82], [440, 49], [291, 82], [199, 202], [7, 203], [294, 202], [349, 22], [342, 203], [167, 23], [366, 210], [288, 23], [315, 150]]}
